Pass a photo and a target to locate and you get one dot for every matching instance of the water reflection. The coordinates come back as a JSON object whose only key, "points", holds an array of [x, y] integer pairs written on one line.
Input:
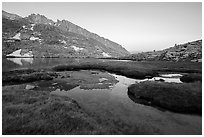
{"points": [[171, 79], [161, 78], [143, 101], [171, 75], [21, 61], [115, 104], [16, 63]]}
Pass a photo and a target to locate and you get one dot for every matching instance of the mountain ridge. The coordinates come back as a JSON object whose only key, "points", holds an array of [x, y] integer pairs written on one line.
{"points": [[10, 15], [86, 43], [190, 51]]}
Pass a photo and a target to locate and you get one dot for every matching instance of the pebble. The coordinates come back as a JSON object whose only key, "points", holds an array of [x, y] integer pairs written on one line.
{"points": [[28, 87]]}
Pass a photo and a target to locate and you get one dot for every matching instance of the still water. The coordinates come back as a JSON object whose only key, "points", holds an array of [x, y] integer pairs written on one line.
{"points": [[114, 102], [24, 63]]}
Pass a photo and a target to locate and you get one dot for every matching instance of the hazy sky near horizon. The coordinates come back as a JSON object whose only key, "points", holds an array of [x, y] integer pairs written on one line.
{"points": [[137, 26]]}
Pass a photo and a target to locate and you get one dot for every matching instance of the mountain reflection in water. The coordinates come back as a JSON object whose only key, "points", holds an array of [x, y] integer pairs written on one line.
{"points": [[21, 61]]}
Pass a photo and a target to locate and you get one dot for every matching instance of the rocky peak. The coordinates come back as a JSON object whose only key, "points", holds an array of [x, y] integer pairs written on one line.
{"points": [[39, 19], [47, 38], [70, 27]]}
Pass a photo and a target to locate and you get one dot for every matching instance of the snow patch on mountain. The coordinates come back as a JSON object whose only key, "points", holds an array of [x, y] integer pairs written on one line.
{"points": [[17, 53], [34, 38], [106, 54], [63, 41], [17, 36], [28, 54], [77, 48], [32, 25]]}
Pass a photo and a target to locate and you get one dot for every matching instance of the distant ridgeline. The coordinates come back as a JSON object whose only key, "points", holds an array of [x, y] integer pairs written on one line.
{"points": [[191, 51], [37, 36]]}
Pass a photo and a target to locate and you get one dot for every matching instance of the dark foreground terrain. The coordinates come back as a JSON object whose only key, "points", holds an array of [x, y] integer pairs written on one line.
{"points": [[29, 109], [37, 112]]}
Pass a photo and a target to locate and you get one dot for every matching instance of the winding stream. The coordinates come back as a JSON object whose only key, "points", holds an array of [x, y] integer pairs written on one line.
{"points": [[114, 103]]}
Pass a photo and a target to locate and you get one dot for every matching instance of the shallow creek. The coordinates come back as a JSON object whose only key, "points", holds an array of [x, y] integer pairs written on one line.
{"points": [[114, 103]]}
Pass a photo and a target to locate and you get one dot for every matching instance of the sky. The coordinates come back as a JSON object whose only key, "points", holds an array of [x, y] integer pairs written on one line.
{"points": [[137, 26]]}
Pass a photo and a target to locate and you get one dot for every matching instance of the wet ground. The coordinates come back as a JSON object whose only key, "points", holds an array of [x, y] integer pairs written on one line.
{"points": [[105, 95]]}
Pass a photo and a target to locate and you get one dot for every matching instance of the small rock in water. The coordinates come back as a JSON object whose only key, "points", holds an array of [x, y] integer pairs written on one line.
{"points": [[28, 87]]}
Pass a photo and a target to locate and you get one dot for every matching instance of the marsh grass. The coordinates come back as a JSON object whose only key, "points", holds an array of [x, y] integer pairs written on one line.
{"points": [[133, 69], [32, 112], [185, 98], [126, 69], [25, 76], [191, 77], [37, 112]]}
